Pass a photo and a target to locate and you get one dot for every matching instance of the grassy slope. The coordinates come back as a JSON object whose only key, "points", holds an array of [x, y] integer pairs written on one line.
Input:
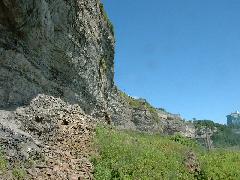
{"points": [[128, 155]]}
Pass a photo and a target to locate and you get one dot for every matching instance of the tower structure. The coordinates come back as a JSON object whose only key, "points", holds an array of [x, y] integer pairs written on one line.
{"points": [[233, 119]]}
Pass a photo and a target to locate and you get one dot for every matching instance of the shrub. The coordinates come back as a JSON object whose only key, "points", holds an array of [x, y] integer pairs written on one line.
{"points": [[3, 163], [129, 155], [224, 137], [19, 173], [103, 65], [178, 138], [105, 16], [140, 104], [221, 164], [132, 155]]}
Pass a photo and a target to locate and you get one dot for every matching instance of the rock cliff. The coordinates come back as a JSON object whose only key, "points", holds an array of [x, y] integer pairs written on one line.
{"points": [[65, 49], [138, 114], [56, 78], [60, 48]]}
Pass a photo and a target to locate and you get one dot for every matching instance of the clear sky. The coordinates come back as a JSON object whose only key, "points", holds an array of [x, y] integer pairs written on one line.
{"points": [[182, 55]]}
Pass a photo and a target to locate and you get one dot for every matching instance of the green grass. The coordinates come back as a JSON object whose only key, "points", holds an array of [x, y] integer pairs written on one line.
{"points": [[224, 137], [19, 173], [3, 163], [221, 164], [128, 155], [131, 155]]}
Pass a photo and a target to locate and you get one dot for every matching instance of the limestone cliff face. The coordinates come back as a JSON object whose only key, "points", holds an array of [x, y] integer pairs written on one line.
{"points": [[55, 47], [56, 66], [138, 114], [65, 49]]}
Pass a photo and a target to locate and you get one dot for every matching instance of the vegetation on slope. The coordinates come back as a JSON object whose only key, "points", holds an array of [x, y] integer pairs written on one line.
{"points": [[140, 104], [131, 155], [3, 163], [224, 137], [221, 164], [103, 12], [6, 171]]}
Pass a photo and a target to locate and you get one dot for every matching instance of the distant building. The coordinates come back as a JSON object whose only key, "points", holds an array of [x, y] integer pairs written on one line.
{"points": [[233, 119]]}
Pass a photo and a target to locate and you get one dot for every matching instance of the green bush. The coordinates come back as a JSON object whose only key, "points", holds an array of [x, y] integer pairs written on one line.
{"points": [[224, 137], [3, 163], [105, 16], [103, 65], [125, 155], [131, 155], [178, 138], [19, 173], [221, 164]]}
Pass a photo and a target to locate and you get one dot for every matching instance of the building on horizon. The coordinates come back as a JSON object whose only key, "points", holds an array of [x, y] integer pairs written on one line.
{"points": [[233, 119]]}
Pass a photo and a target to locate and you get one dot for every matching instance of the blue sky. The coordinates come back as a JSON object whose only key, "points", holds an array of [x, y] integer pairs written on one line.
{"points": [[182, 55]]}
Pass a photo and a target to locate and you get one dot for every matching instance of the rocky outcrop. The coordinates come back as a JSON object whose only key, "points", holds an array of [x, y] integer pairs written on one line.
{"points": [[137, 114], [65, 49], [191, 162], [184, 128], [128, 113], [60, 48]]}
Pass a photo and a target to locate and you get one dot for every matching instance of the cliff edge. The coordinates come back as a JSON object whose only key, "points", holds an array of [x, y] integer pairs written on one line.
{"points": [[57, 81]]}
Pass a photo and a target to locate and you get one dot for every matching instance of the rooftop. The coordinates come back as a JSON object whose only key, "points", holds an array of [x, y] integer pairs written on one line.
{"points": [[236, 113]]}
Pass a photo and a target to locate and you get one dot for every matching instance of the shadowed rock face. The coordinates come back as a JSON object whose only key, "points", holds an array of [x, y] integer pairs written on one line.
{"points": [[4, 15], [61, 48]]}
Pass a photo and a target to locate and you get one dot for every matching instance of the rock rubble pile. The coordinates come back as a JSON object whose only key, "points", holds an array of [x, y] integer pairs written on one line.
{"points": [[52, 136]]}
